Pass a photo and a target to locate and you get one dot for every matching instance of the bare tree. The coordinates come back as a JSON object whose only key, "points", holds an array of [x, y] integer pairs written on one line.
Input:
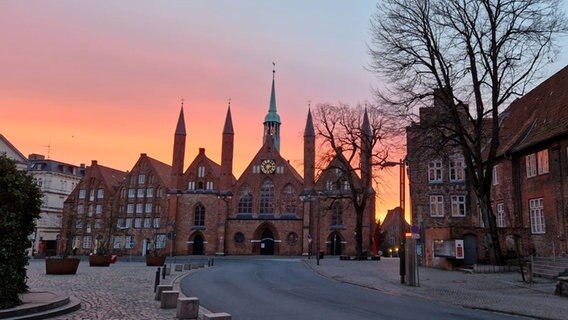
{"points": [[347, 134], [482, 52]]}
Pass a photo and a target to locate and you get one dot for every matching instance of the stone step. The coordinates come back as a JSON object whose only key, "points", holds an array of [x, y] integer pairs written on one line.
{"points": [[45, 305]]}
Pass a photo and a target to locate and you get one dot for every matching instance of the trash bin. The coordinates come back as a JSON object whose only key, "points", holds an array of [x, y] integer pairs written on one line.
{"points": [[321, 254]]}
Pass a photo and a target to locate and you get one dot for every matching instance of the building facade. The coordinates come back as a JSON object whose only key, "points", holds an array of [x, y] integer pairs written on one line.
{"points": [[56, 181], [528, 189], [205, 210]]}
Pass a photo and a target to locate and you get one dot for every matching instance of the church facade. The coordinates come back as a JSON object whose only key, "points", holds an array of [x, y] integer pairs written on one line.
{"points": [[205, 210]]}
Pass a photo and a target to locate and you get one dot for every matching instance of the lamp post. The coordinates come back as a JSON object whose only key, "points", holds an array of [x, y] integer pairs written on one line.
{"points": [[402, 224], [124, 229], [226, 197], [310, 197]]}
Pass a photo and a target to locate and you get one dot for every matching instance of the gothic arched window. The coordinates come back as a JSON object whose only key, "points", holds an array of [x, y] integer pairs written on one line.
{"points": [[245, 200], [337, 214], [289, 199], [199, 217], [266, 197]]}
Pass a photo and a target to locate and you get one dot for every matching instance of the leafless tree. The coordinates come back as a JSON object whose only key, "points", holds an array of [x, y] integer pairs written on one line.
{"points": [[475, 56], [341, 132]]}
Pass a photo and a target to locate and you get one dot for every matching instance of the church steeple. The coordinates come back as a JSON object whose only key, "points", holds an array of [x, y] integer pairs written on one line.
{"points": [[227, 148], [309, 153], [366, 152], [179, 152], [272, 119]]}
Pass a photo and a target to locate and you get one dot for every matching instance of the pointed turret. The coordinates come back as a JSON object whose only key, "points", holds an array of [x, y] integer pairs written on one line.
{"points": [[272, 119], [227, 146], [366, 153], [179, 152], [309, 153]]}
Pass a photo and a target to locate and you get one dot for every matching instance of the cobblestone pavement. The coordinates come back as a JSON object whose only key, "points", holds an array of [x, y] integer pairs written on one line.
{"points": [[124, 290], [502, 292]]}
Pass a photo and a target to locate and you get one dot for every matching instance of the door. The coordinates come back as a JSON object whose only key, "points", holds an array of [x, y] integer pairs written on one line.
{"points": [[470, 249], [335, 245], [198, 245], [145, 248], [267, 243]]}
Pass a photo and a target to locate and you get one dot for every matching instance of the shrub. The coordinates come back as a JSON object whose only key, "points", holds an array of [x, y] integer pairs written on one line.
{"points": [[20, 202]]}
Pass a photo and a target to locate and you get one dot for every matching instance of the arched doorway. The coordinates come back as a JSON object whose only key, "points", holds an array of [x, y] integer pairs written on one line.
{"points": [[197, 246], [334, 244], [470, 249], [267, 242]]}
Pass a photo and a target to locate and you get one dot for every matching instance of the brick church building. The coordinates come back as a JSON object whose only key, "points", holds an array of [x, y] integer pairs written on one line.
{"points": [[203, 209]]}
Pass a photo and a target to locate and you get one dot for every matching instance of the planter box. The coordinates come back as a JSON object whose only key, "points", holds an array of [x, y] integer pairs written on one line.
{"points": [[153, 261], [61, 266], [99, 261]]}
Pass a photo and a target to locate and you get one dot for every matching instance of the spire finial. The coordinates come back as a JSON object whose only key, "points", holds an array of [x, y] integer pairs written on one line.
{"points": [[273, 69], [182, 103], [229, 102], [309, 104]]}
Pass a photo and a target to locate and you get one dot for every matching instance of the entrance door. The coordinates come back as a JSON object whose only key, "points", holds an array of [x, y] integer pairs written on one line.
{"points": [[470, 249], [198, 245], [335, 244], [145, 248], [267, 243]]}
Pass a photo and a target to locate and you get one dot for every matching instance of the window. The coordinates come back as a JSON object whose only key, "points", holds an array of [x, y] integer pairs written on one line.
{"points": [[266, 200], [120, 222], [87, 240], [157, 209], [239, 237], [129, 242], [98, 224], [117, 242], [139, 208], [191, 185], [346, 186], [209, 185], [80, 209], [149, 192], [78, 224], [130, 209], [92, 195], [156, 223], [82, 193], [435, 171], [436, 206], [89, 228], [147, 223], [131, 193], [201, 171], [90, 210], [536, 207], [495, 179], [140, 193], [128, 223], [141, 179], [99, 209], [100, 193], [457, 168], [148, 208], [542, 160], [245, 200], [199, 217], [530, 162], [458, 206], [289, 199], [501, 215], [337, 214], [160, 241], [138, 223]]}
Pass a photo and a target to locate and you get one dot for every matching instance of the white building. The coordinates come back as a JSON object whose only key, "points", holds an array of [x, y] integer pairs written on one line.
{"points": [[56, 180], [12, 153]]}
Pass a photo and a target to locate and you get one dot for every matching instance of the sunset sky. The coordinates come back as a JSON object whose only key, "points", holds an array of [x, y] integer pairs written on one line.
{"points": [[103, 80]]}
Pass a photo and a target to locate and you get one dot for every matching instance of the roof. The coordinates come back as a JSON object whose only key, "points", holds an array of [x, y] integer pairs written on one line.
{"points": [[163, 170], [309, 130], [111, 177], [538, 116], [228, 128], [272, 115], [16, 153]]}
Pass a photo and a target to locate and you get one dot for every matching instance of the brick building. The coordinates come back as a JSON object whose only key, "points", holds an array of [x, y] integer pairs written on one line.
{"points": [[528, 189], [270, 209]]}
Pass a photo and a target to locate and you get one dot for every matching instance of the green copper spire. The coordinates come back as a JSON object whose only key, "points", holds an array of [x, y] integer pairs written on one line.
{"points": [[272, 119]]}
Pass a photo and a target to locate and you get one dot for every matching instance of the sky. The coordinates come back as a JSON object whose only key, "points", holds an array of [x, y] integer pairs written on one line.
{"points": [[104, 80]]}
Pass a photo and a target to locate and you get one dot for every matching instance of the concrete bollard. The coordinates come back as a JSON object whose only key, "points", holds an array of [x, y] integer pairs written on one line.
{"points": [[168, 271], [160, 288], [187, 308], [186, 266], [179, 267], [169, 299], [217, 316]]}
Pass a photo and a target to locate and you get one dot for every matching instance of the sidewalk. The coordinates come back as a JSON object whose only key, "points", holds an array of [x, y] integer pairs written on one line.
{"points": [[501, 292]]}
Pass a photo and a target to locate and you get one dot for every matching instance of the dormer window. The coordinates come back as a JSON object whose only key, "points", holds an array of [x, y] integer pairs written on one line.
{"points": [[201, 171]]}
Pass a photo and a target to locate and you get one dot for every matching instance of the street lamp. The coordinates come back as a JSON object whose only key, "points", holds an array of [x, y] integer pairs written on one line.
{"points": [[311, 198], [130, 245], [226, 197], [402, 225]]}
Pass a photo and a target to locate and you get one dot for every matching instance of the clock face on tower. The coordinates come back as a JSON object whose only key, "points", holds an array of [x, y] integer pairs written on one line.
{"points": [[268, 166]]}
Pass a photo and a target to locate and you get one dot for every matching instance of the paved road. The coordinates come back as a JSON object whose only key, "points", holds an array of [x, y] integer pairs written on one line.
{"points": [[287, 289]]}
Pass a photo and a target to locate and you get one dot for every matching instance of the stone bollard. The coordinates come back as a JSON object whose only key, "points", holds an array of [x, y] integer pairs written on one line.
{"points": [[160, 288], [217, 316], [186, 266], [187, 308], [169, 299], [179, 267]]}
